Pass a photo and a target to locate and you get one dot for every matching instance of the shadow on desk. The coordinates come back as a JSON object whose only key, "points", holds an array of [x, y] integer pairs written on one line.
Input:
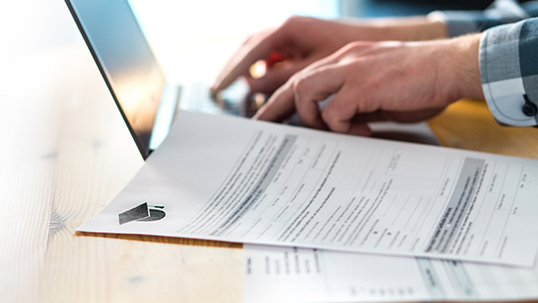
{"points": [[167, 240]]}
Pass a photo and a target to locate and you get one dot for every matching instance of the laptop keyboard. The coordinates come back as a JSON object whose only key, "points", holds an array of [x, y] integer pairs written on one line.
{"points": [[196, 97]]}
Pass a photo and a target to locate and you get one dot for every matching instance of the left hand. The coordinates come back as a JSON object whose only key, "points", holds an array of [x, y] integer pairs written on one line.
{"points": [[300, 41]]}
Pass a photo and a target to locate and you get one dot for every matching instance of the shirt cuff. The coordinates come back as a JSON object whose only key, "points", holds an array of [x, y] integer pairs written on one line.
{"points": [[509, 72]]}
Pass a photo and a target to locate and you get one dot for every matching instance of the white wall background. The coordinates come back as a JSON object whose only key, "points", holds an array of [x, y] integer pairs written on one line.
{"points": [[193, 39]]}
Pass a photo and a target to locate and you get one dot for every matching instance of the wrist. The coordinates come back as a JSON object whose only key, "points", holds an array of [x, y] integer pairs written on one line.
{"points": [[463, 62], [410, 29], [398, 29]]}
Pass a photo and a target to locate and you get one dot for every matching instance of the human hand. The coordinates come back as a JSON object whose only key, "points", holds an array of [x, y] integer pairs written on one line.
{"points": [[301, 41], [398, 81]]}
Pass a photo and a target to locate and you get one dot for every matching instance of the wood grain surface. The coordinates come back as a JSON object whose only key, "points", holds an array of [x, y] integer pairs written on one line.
{"points": [[468, 124], [66, 153]]}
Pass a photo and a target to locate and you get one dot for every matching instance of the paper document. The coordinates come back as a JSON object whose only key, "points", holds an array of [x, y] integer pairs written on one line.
{"points": [[287, 274], [233, 179]]}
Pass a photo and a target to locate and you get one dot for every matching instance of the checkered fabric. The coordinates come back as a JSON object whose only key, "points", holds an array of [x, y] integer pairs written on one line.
{"points": [[509, 72], [508, 57]]}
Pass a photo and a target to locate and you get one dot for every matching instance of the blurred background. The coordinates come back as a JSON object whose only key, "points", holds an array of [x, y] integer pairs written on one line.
{"points": [[193, 38]]}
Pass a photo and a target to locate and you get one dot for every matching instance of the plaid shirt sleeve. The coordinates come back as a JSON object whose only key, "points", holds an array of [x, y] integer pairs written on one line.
{"points": [[508, 56], [499, 12], [509, 72]]}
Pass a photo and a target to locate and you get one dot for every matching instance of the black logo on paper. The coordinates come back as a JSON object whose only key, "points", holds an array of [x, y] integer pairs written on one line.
{"points": [[142, 213]]}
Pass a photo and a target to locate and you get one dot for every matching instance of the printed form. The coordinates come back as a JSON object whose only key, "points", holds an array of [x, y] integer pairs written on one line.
{"points": [[232, 179], [291, 274]]}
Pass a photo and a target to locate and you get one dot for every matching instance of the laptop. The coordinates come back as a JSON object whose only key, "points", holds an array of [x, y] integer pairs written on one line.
{"points": [[147, 102]]}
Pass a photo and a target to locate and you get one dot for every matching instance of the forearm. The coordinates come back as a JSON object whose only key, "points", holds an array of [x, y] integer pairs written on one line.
{"points": [[400, 29], [444, 24]]}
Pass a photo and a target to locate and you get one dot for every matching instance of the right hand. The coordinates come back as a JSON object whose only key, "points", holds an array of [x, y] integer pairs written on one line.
{"points": [[379, 81]]}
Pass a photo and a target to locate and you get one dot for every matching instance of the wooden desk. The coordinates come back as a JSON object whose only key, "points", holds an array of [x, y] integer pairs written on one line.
{"points": [[468, 124], [66, 153], [69, 153]]}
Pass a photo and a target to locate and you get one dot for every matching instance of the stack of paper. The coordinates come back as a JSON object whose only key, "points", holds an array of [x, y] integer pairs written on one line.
{"points": [[232, 179]]}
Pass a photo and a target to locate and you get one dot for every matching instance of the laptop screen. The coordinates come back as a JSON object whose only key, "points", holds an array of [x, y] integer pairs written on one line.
{"points": [[125, 60]]}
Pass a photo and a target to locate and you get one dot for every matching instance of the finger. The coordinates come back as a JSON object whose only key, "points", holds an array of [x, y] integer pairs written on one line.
{"points": [[312, 86], [256, 48], [338, 114], [275, 77], [274, 58], [279, 107]]}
